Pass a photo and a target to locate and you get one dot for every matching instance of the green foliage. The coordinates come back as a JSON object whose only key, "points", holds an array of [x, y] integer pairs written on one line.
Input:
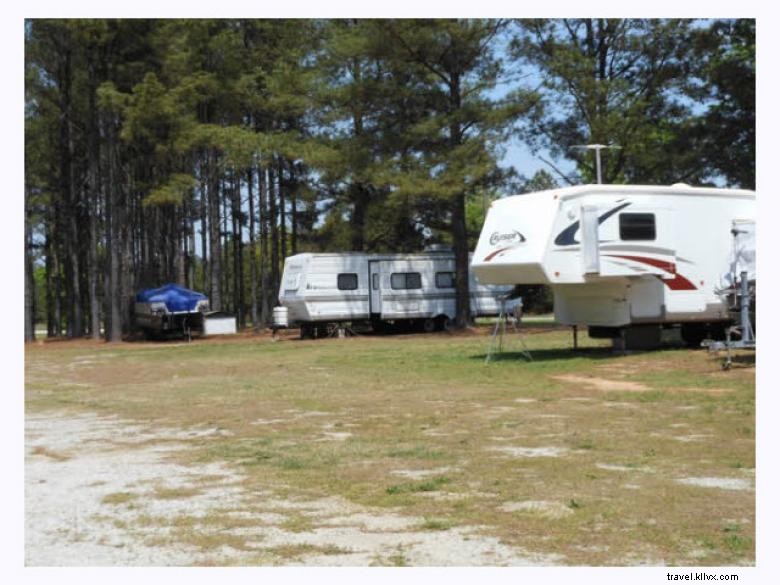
{"points": [[477, 207], [172, 192], [385, 133], [152, 113], [614, 81], [725, 66], [537, 298], [110, 99], [452, 142], [541, 181]]}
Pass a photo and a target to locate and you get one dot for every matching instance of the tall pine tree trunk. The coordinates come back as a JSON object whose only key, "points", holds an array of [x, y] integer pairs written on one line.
{"points": [[461, 247], [458, 229], [130, 229], [190, 227], [92, 271], [180, 245], [114, 293], [226, 268], [113, 245], [265, 305], [29, 277], [252, 251], [52, 324], [293, 224], [238, 251], [358, 218], [274, 233], [113, 290], [204, 232], [359, 193], [93, 194], [282, 182], [70, 195], [215, 244]]}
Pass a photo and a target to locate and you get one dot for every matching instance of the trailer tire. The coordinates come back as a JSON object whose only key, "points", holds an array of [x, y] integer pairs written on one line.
{"points": [[443, 323], [693, 334], [429, 325], [307, 331]]}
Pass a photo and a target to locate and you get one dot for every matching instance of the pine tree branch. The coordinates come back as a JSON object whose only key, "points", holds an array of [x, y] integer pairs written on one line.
{"points": [[557, 170]]}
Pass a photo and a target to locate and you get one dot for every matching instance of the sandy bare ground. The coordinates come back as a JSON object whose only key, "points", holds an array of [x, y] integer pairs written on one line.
{"points": [[102, 491]]}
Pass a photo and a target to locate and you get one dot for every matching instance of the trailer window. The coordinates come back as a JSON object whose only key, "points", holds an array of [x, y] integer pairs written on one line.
{"points": [[637, 226], [347, 281], [445, 280], [405, 280], [375, 281]]}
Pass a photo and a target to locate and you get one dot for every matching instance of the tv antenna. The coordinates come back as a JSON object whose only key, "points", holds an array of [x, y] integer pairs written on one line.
{"points": [[597, 148]]}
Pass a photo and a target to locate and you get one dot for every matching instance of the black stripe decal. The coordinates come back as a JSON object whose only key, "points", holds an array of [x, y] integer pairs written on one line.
{"points": [[566, 237]]}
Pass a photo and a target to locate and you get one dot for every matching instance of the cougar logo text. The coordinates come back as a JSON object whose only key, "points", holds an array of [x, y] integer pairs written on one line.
{"points": [[507, 239]]}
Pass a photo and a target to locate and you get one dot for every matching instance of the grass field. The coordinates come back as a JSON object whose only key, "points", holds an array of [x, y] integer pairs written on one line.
{"points": [[595, 458]]}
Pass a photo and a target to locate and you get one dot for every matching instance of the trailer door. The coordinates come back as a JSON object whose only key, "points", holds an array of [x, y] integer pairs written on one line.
{"points": [[375, 287]]}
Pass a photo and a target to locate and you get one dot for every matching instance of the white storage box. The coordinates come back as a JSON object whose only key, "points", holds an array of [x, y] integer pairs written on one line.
{"points": [[219, 323]]}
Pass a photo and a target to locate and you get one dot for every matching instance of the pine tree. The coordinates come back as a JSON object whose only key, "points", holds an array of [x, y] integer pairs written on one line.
{"points": [[617, 82], [451, 141]]}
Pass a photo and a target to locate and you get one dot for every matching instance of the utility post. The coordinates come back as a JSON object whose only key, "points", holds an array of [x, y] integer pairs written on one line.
{"points": [[597, 148]]}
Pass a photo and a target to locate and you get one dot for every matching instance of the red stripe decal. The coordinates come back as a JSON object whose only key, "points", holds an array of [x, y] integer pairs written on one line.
{"points": [[662, 264], [490, 256], [679, 282]]}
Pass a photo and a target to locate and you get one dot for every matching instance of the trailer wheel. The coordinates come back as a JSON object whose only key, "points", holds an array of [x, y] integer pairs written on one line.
{"points": [[307, 331], [443, 323], [429, 325], [693, 334]]}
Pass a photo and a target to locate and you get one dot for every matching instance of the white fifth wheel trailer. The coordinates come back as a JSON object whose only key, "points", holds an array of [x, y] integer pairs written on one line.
{"points": [[627, 261], [383, 289]]}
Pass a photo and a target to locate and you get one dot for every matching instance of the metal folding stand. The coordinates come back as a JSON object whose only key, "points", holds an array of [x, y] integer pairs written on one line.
{"points": [[497, 339]]}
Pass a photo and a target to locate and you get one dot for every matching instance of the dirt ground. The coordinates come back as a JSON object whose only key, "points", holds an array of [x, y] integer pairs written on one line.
{"points": [[386, 450], [89, 479]]}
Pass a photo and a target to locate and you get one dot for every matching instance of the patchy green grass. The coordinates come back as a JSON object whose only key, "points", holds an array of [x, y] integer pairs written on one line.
{"points": [[430, 485], [298, 522], [296, 551], [437, 524], [509, 431], [53, 455], [397, 559], [119, 498], [179, 493], [417, 452]]}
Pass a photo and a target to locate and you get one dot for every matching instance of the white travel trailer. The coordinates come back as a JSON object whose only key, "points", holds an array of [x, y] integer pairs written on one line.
{"points": [[627, 261], [383, 289]]}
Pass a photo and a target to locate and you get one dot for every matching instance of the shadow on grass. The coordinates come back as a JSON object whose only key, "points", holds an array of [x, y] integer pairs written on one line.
{"points": [[548, 355], [141, 339], [746, 360]]}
